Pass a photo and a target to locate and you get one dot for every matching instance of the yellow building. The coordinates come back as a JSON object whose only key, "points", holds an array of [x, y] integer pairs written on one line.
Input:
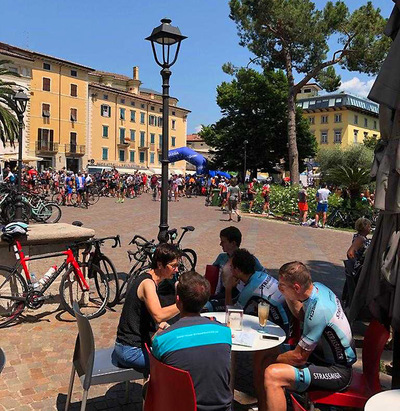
{"points": [[58, 113], [338, 118], [126, 123]]}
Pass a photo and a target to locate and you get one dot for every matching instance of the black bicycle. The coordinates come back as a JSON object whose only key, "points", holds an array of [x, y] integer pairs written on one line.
{"points": [[93, 257]]}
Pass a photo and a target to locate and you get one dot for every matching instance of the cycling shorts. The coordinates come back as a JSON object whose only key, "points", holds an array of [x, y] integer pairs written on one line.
{"points": [[322, 208], [303, 206], [250, 196]]}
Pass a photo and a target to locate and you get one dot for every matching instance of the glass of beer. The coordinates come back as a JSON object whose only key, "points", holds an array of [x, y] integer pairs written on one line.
{"points": [[263, 313]]}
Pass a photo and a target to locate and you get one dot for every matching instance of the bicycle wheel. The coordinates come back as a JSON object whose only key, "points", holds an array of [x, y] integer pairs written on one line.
{"points": [[12, 285], [108, 268], [92, 197], [74, 198], [49, 213], [131, 277], [191, 254], [58, 198], [91, 303], [185, 263]]}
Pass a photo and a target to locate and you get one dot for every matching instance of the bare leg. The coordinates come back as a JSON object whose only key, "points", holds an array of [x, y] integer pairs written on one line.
{"points": [[323, 219], [316, 220], [277, 378]]}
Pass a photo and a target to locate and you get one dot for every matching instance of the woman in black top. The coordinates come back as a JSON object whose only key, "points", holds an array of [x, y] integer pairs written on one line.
{"points": [[142, 310]]}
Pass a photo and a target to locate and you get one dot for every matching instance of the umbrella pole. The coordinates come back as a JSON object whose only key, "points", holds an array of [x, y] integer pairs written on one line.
{"points": [[396, 360]]}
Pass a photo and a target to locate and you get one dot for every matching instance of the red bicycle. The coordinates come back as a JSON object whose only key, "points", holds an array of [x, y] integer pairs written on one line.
{"points": [[17, 292]]}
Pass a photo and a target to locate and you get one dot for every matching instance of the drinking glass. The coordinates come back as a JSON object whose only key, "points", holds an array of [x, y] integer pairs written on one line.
{"points": [[263, 313]]}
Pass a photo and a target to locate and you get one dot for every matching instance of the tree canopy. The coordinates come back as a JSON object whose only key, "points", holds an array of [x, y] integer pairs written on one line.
{"points": [[293, 35], [253, 106]]}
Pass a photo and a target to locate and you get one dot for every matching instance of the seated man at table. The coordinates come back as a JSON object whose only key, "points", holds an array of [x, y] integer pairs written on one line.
{"points": [[230, 240], [323, 357], [198, 345]]}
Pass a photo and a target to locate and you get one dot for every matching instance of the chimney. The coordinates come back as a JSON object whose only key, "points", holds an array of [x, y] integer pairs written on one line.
{"points": [[136, 73]]}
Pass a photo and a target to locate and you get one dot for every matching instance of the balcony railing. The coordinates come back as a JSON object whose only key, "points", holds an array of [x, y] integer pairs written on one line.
{"points": [[76, 149], [123, 142], [46, 147]]}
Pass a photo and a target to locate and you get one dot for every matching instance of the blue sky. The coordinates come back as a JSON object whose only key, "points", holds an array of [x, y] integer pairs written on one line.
{"points": [[109, 35]]}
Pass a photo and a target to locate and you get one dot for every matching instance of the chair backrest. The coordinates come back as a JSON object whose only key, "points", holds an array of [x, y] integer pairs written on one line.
{"points": [[212, 273], [170, 389], [375, 339], [84, 347], [296, 405], [2, 360]]}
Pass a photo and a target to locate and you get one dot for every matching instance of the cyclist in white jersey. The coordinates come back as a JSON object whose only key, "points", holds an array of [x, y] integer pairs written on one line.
{"points": [[323, 357]]}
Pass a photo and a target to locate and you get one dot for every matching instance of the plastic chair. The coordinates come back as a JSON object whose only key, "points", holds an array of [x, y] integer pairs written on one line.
{"points": [[363, 385], [169, 389], [296, 405], [2, 360], [212, 273], [94, 366]]}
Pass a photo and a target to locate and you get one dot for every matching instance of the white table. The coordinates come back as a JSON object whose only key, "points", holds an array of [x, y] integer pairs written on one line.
{"points": [[385, 400], [250, 325]]}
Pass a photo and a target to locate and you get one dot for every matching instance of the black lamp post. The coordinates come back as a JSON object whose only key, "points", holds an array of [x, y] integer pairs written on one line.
{"points": [[245, 142], [163, 38], [21, 101]]}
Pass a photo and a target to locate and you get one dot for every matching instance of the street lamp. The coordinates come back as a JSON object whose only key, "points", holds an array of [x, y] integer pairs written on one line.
{"points": [[162, 39], [245, 142], [21, 101]]}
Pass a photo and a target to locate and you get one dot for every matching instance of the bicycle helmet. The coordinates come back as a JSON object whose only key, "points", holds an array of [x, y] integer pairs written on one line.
{"points": [[14, 230]]}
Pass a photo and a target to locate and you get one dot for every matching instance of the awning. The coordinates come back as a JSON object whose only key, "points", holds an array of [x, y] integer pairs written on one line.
{"points": [[14, 157], [126, 170]]}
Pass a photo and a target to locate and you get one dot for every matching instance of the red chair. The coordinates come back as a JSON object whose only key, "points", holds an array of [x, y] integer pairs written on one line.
{"points": [[212, 274], [169, 389], [296, 405], [363, 385]]}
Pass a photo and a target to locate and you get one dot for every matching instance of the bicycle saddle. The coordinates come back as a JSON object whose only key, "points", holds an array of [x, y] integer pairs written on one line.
{"points": [[188, 228]]}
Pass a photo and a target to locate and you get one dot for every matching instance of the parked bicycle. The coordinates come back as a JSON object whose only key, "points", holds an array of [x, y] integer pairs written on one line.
{"points": [[17, 291], [41, 210]]}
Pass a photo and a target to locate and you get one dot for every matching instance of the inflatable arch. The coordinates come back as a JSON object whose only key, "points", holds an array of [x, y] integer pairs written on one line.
{"points": [[185, 153]]}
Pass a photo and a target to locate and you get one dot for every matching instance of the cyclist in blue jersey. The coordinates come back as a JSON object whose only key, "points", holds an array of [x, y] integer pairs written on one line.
{"points": [[323, 358]]}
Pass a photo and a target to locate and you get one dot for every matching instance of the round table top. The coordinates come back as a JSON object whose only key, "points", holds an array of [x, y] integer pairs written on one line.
{"points": [[250, 325], [389, 400]]}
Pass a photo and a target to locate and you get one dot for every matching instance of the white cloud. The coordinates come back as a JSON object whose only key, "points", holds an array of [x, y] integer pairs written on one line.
{"points": [[197, 129], [357, 86]]}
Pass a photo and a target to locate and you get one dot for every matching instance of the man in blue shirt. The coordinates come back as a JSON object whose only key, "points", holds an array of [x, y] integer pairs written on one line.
{"points": [[323, 358], [198, 345]]}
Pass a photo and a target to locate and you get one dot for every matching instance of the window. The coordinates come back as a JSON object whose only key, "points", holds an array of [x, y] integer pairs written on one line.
{"points": [[141, 157], [133, 134], [142, 117], [122, 114], [365, 122], [121, 155], [337, 137], [122, 101], [338, 118], [132, 156], [324, 137], [375, 125], [74, 90], [74, 114], [160, 140], [45, 138], [143, 106], [105, 131], [324, 119], [133, 116], [152, 138], [152, 108], [311, 120], [173, 141], [160, 110], [307, 90], [46, 84], [122, 135], [173, 123], [173, 113], [132, 103], [152, 120], [159, 158], [105, 110], [355, 119], [365, 134], [355, 137], [142, 138], [159, 121], [72, 140], [104, 155], [152, 158], [46, 110], [46, 66], [105, 96], [74, 73]]}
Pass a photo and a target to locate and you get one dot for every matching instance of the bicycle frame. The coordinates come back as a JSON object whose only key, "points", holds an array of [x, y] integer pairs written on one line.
{"points": [[22, 260]]}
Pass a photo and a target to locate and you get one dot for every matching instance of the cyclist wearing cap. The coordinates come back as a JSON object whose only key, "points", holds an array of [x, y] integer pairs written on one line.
{"points": [[323, 357]]}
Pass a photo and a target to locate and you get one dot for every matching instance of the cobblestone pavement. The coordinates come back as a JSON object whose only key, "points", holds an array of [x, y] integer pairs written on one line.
{"points": [[39, 349]]}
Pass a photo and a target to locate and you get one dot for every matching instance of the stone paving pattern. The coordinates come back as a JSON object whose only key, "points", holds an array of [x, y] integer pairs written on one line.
{"points": [[39, 349]]}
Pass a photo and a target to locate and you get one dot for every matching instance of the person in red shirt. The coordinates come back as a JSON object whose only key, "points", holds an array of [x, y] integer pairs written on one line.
{"points": [[265, 193], [32, 177], [251, 192]]}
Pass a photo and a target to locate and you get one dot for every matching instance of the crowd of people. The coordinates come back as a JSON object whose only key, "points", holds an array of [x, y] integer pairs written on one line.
{"points": [[320, 358]]}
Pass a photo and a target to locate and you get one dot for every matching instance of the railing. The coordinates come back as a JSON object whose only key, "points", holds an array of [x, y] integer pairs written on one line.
{"points": [[78, 149], [46, 147]]}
